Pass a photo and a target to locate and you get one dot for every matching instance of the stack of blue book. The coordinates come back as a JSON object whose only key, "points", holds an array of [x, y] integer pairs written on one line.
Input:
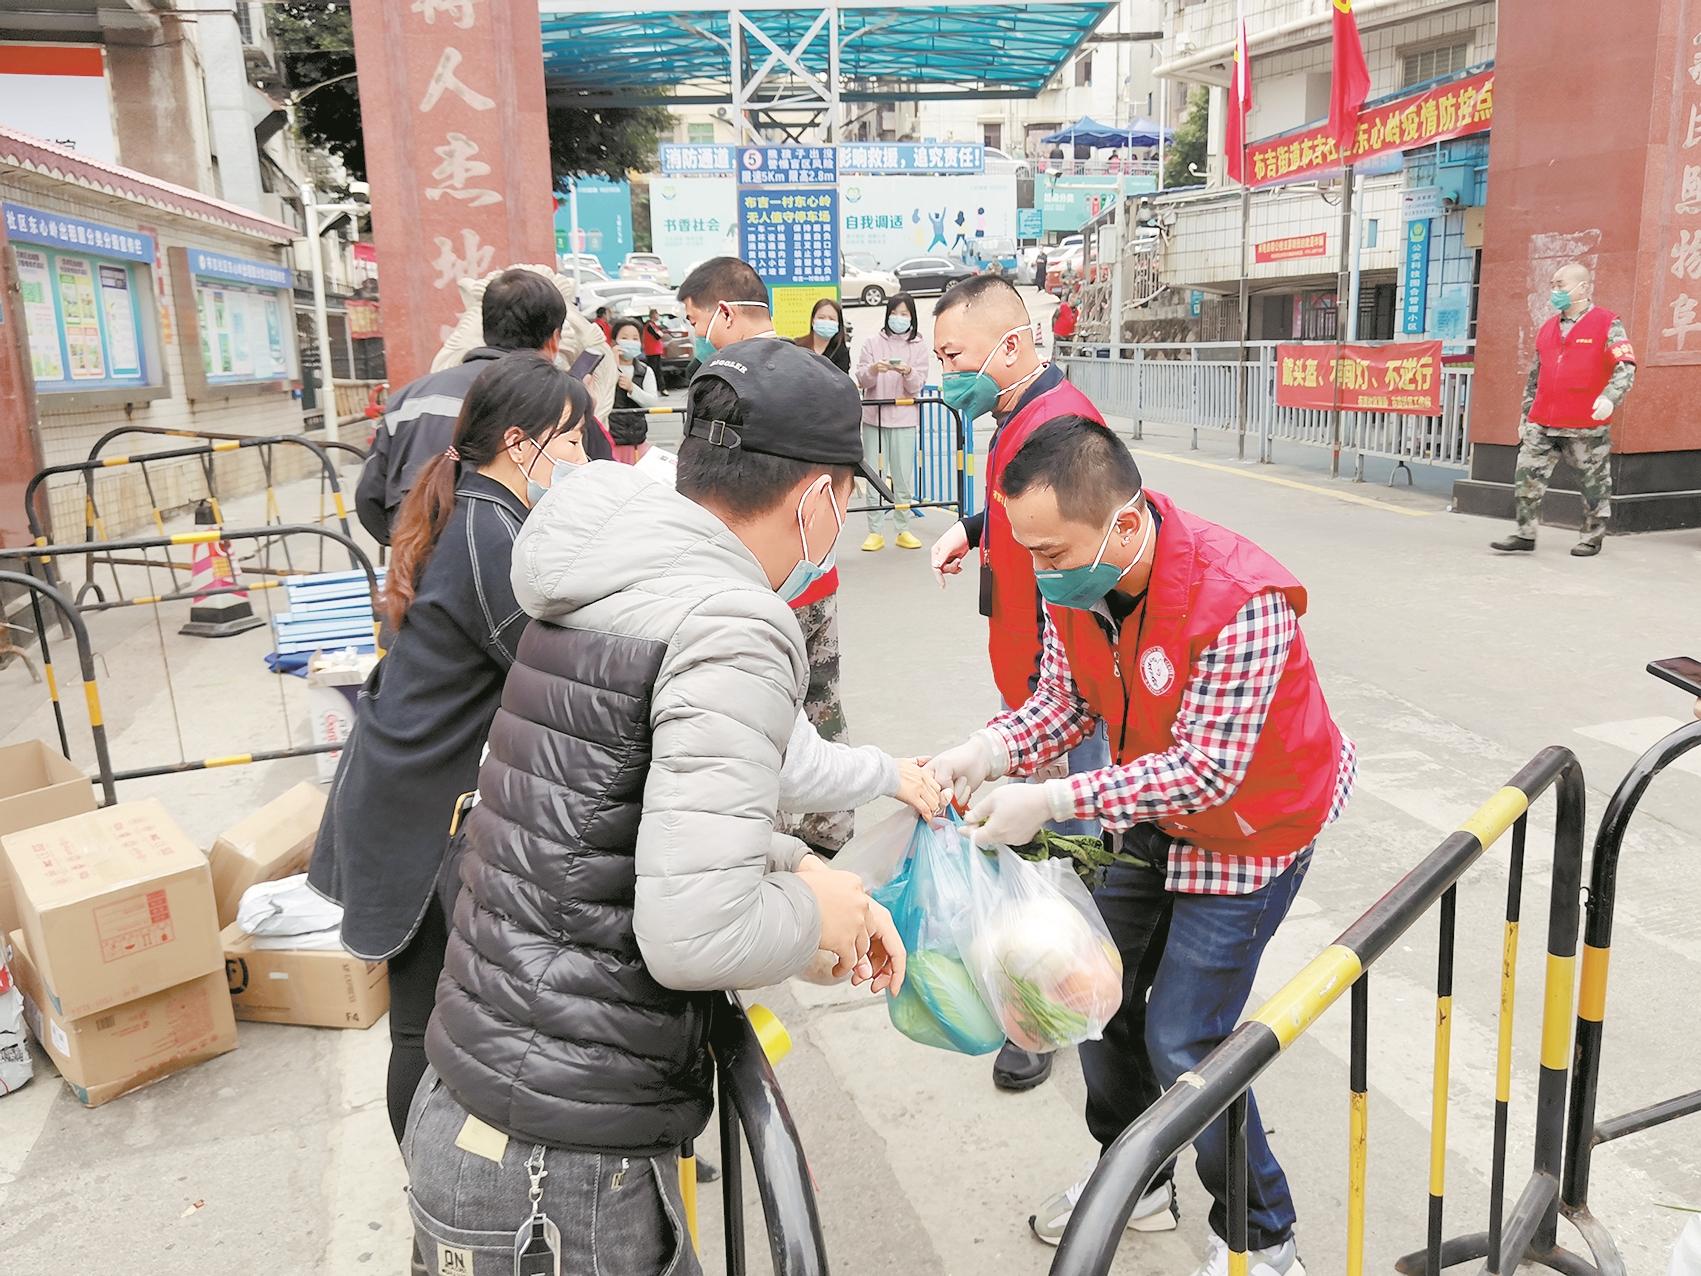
{"points": [[330, 611]]}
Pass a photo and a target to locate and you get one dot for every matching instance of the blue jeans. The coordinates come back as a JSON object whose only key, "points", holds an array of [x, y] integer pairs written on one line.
{"points": [[1092, 754], [1188, 962]]}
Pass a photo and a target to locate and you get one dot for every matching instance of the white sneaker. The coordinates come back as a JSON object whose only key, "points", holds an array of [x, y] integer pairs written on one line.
{"points": [[1278, 1260], [1154, 1212]]}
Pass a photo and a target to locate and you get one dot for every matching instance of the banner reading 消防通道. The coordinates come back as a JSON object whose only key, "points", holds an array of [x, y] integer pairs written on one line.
{"points": [[1403, 376]]}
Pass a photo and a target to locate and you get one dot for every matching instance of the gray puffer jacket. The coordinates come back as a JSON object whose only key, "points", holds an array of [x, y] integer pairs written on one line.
{"points": [[622, 862]]}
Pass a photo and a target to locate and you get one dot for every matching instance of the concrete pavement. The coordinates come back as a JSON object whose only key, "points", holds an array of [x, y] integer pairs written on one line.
{"points": [[1449, 666]]}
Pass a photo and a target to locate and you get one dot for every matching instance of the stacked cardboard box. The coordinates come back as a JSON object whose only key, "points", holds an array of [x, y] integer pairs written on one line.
{"points": [[117, 951], [316, 988], [275, 841], [37, 786]]}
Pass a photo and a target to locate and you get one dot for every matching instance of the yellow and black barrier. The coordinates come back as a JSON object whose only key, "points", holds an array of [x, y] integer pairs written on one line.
{"points": [[73, 622], [38, 555], [1583, 1132], [206, 452], [1223, 1080]]}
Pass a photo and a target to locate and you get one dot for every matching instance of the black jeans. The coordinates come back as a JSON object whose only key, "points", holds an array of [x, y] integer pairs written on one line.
{"points": [[413, 994]]}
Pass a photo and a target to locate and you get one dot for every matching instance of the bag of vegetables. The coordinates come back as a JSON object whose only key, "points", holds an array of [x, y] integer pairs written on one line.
{"points": [[1038, 951], [928, 898]]}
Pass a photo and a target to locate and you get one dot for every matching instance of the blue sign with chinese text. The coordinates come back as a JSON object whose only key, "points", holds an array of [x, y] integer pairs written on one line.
{"points": [[912, 157], [788, 165], [790, 235], [32, 225], [1030, 223], [695, 160], [262, 274], [1414, 303]]}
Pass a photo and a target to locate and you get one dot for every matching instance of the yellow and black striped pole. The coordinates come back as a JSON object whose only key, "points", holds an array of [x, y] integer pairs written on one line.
{"points": [[1235, 1149], [1442, 1075], [1358, 1125], [1503, 1051]]}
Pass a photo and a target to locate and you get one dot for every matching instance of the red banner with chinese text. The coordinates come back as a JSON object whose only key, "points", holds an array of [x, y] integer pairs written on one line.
{"points": [[1401, 377], [1291, 248], [1455, 109]]}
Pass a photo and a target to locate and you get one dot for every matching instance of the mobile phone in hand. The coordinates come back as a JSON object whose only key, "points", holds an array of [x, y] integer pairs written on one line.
{"points": [[1683, 672]]}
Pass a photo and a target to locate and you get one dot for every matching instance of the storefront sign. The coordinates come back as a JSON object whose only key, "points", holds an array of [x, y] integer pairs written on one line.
{"points": [[1457, 108], [912, 157], [1403, 377], [1291, 248], [1420, 203], [788, 213], [33, 226], [1414, 286], [262, 274]]}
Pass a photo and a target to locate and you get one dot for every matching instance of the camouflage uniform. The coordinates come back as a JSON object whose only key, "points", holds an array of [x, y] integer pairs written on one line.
{"points": [[827, 831], [1589, 452]]}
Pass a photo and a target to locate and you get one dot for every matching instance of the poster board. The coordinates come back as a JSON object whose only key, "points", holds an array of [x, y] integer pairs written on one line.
{"points": [[238, 333], [85, 293]]}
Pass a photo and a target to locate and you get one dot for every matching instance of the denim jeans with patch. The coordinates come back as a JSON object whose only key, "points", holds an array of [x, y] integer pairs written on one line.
{"points": [[1188, 962], [618, 1215]]}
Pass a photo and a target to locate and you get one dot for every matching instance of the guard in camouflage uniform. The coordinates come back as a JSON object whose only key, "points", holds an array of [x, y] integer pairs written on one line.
{"points": [[826, 831], [1584, 367]]}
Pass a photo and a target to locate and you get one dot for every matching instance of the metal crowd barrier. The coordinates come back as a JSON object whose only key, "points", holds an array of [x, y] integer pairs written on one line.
{"points": [[38, 590], [1197, 385], [1223, 1080], [1583, 1132], [43, 555], [750, 1104], [94, 526]]}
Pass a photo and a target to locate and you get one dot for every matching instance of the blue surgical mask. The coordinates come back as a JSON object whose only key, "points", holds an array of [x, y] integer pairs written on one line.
{"points": [[1082, 587], [631, 349], [704, 347], [1560, 299], [826, 329], [974, 394], [560, 470], [807, 572], [897, 324]]}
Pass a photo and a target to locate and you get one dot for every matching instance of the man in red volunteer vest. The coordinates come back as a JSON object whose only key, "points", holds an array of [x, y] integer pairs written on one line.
{"points": [[1584, 367], [1183, 639], [984, 338]]}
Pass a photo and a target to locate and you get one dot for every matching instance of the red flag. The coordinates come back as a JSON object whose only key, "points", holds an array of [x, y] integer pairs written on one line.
{"points": [[1239, 106], [1350, 81]]}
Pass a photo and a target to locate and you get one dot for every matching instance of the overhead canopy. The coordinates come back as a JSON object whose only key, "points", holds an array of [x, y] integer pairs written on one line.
{"points": [[655, 50], [1142, 130]]}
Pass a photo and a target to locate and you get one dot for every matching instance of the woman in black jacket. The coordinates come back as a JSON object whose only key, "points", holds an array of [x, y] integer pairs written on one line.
{"points": [[826, 335], [425, 710]]}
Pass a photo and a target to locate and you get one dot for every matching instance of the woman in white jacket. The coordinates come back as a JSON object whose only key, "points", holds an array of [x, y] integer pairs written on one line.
{"points": [[893, 365]]}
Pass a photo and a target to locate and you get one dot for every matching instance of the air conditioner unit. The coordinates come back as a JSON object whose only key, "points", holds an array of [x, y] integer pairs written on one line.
{"points": [[723, 113]]}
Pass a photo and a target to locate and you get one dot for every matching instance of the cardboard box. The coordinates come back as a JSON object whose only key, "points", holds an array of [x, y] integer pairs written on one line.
{"points": [[37, 786], [116, 904], [275, 841], [314, 988], [126, 1047], [334, 680]]}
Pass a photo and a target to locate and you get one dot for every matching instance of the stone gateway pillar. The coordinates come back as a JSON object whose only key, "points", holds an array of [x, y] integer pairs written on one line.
{"points": [[457, 153], [1596, 157]]}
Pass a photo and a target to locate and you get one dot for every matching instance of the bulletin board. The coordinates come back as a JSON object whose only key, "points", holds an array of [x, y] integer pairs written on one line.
{"points": [[86, 296], [238, 323]]}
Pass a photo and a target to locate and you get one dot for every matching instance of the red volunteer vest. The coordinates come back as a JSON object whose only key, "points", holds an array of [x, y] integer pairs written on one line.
{"points": [[1575, 368], [1017, 621], [1202, 575]]}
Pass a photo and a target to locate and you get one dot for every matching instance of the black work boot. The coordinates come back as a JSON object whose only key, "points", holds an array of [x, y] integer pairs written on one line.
{"points": [[1514, 544], [1019, 1069]]}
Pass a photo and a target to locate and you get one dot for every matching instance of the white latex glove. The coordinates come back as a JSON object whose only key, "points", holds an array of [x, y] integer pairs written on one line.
{"points": [[963, 769], [948, 552], [1012, 814], [1603, 408]]}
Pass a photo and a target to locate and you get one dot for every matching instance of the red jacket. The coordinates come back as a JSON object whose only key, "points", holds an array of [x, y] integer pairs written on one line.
{"points": [[651, 340], [1575, 368], [1201, 576], [1017, 620], [1063, 322]]}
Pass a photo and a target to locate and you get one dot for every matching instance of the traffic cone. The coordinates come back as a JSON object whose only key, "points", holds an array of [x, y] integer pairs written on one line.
{"points": [[218, 610]]}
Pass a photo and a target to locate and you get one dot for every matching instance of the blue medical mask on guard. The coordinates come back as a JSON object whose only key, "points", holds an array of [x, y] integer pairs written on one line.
{"points": [[1083, 587], [974, 394], [807, 572], [1560, 299]]}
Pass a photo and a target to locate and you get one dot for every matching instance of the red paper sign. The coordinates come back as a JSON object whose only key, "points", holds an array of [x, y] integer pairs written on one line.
{"points": [[1401, 377], [1455, 109], [1294, 246]]}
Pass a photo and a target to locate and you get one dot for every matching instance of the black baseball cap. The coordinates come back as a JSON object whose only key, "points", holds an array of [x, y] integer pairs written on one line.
{"points": [[796, 405]]}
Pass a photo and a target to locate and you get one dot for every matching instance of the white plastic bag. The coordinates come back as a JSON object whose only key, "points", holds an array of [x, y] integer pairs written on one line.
{"points": [[1686, 1254], [15, 1065], [290, 908], [1039, 952], [873, 856]]}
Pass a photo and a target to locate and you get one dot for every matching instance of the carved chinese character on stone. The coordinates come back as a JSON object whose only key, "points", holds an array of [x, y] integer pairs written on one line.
{"points": [[457, 169], [444, 80], [474, 259], [460, 11]]}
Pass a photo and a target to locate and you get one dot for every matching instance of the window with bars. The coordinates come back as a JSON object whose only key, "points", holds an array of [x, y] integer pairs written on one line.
{"points": [[699, 134], [992, 135], [245, 23], [1418, 66], [1084, 71]]}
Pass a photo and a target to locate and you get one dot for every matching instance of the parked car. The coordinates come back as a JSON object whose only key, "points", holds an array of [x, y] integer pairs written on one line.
{"points": [[861, 279], [998, 161], [646, 266], [931, 274], [680, 348], [621, 294], [590, 269]]}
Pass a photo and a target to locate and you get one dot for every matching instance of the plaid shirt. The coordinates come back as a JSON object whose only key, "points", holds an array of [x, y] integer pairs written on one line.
{"points": [[1223, 708]]}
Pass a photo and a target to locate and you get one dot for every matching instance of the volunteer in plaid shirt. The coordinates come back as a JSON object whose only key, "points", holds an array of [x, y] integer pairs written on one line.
{"points": [[1183, 638]]}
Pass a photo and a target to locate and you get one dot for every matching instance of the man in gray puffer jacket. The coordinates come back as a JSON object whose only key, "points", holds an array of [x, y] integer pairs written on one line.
{"points": [[622, 868]]}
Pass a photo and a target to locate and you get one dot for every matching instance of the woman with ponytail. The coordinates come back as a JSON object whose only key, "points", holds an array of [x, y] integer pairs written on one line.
{"points": [[423, 715]]}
